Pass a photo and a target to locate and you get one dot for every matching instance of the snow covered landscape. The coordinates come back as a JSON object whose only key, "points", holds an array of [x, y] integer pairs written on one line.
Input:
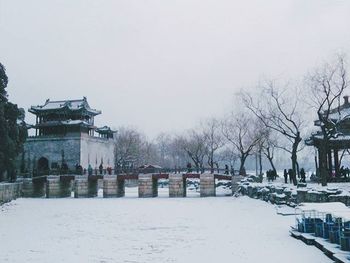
{"points": [[218, 229], [174, 131]]}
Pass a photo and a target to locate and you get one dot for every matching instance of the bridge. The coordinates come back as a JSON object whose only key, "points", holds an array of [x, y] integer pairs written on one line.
{"points": [[55, 186]]}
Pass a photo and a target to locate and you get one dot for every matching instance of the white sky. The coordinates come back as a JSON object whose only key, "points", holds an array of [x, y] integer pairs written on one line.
{"points": [[162, 65]]}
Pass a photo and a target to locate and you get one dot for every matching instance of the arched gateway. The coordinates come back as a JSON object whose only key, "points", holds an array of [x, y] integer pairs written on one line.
{"points": [[43, 164]]}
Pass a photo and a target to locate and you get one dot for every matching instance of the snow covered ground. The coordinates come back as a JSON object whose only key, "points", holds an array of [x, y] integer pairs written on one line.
{"points": [[158, 230]]}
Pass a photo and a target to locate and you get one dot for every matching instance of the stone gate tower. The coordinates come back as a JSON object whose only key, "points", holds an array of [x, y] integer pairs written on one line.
{"points": [[65, 135]]}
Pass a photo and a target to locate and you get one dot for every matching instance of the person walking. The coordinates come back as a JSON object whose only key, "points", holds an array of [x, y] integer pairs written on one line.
{"points": [[189, 167], [290, 174], [226, 169], [90, 170], [101, 168], [285, 175], [302, 175], [232, 170]]}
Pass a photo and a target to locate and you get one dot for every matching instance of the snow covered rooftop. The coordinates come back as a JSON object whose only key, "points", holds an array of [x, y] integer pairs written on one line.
{"points": [[105, 129], [338, 137], [340, 115], [71, 105], [150, 166], [341, 112], [67, 122]]}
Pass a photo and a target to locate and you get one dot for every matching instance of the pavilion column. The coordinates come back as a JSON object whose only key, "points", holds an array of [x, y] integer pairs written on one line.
{"points": [[336, 163], [330, 165], [322, 159]]}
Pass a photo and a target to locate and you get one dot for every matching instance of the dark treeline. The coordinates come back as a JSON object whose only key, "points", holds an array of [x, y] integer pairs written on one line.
{"points": [[13, 131]]}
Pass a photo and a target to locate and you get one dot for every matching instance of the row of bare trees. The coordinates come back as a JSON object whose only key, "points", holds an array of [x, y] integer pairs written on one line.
{"points": [[206, 146], [276, 116]]}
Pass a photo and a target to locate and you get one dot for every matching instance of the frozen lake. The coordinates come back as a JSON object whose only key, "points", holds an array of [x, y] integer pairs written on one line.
{"points": [[159, 230]]}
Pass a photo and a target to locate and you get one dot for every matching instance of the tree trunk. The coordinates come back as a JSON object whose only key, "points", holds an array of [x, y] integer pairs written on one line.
{"points": [[336, 163], [298, 169], [260, 163], [323, 166], [272, 164], [211, 162], [242, 170], [316, 165], [294, 159]]}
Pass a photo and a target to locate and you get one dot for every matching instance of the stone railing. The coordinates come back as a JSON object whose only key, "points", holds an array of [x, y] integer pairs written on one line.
{"points": [[10, 191]]}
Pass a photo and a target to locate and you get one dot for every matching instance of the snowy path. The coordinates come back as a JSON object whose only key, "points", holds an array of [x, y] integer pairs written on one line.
{"points": [[159, 230]]}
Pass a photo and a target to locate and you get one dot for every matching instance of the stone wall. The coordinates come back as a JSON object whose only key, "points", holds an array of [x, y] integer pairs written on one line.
{"points": [[177, 185], [236, 180], [51, 148], [33, 189], [148, 187], [112, 187], [81, 186], [10, 191], [207, 185], [55, 187], [94, 150], [79, 148]]}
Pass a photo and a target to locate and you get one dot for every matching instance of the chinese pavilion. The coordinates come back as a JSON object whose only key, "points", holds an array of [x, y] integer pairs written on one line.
{"points": [[339, 140], [65, 136], [59, 118]]}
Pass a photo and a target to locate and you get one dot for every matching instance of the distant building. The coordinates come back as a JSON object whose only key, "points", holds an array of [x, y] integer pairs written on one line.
{"points": [[150, 168], [65, 135]]}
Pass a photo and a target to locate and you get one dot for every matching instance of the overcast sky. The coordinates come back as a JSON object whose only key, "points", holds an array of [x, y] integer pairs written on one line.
{"points": [[162, 65]]}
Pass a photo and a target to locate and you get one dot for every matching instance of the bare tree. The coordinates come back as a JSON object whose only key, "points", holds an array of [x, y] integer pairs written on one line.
{"points": [[269, 142], [193, 143], [128, 144], [177, 153], [327, 85], [262, 134], [279, 111], [228, 155], [163, 144], [239, 130], [213, 140], [149, 153]]}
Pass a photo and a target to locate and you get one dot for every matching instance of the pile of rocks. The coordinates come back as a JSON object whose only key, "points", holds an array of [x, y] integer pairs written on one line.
{"points": [[284, 194]]}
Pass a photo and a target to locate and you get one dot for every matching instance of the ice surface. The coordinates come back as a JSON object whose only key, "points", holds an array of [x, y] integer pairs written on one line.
{"points": [[192, 229]]}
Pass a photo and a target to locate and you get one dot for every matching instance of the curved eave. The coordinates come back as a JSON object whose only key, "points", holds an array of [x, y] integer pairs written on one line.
{"points": [[43, 125], [39, 111], [105, 131]]}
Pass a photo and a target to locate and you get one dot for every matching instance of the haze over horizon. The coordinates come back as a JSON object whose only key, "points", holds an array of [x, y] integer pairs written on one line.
{"points": [[162, 65]]}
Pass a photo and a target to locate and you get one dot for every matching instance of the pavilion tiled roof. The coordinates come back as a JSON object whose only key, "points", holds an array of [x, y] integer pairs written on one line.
{"points": [[71, 105]]}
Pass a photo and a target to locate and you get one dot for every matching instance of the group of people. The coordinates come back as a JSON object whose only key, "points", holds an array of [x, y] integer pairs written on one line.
{"points": [[79, 170], [290, 174], [344, 172], [271, 175], [227, 169]]}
